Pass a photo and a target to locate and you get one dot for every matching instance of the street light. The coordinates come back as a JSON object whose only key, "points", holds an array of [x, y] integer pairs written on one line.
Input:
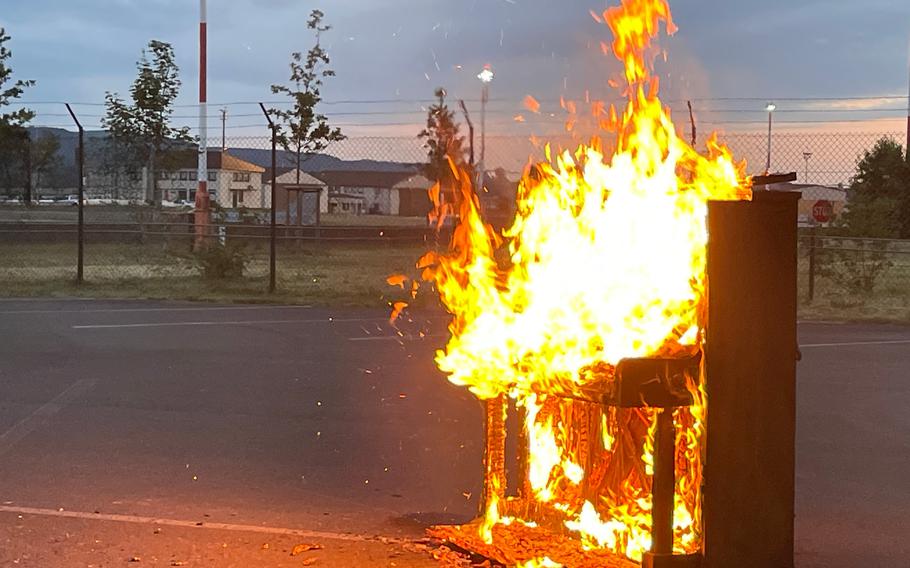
{"points": [[486, 77], [487, 74], [806, 157], [771, 107]]}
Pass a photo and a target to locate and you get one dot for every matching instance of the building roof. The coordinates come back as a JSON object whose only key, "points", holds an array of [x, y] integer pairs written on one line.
{"points": [[216, 160], [305, 178], [362, 178], [812, 191], [415, 182]]}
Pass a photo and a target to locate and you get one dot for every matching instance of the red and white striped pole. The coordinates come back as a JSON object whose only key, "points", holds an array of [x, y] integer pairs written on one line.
{"points": [[202, 193]]}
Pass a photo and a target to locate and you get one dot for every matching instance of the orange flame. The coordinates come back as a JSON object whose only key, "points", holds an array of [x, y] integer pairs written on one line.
{"points": [[605, 260]]}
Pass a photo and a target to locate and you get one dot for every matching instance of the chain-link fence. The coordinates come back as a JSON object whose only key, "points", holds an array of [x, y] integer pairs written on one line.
{"points": [[140, 250], [863, 276], [345, 218]]}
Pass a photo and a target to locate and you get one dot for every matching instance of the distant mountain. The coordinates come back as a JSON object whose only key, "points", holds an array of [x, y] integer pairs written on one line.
{"points": [[69, 141], [94, 140], [317, 162]]}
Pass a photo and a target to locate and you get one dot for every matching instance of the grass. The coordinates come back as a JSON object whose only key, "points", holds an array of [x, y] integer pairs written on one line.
{"points": [[330, 275], [336, 220], [128, 214], [318, 274], [888, 301]]}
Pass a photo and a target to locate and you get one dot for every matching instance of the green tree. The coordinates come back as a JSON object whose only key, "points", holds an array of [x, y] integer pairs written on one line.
{"points": [[13, 134], [301, 130], [119, 165], [143, 126], [43, 158], [879, 196], [443, 141]]}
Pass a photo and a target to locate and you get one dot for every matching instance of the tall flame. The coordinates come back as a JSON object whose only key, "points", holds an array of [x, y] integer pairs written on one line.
{"points": [[605, 260]]}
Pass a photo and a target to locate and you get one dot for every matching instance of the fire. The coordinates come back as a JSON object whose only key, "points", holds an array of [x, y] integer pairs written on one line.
{"points": [[605, 260]]}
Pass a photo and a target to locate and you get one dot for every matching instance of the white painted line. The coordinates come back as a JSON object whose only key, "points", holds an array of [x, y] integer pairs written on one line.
{"points": [[61, 300], [196, 525], [127, 310], [855, 343], [41, 415], [209, 323], [396, 338]]}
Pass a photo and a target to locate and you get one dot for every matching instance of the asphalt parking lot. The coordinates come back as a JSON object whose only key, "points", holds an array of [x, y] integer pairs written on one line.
{"points": [[203, 435]]}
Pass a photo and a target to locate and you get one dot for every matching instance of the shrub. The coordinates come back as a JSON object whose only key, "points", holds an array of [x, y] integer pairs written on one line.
{"points": [[220, 261], [854, 266]]}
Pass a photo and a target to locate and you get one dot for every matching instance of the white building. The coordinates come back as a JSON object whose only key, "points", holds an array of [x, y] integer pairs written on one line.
{"points": [[367, 192], [295, 195], [232, 182], [812, 194]]}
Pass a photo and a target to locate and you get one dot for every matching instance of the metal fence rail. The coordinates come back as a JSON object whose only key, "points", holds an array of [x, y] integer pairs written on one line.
{"points": [[848, 272], [364, 216]]}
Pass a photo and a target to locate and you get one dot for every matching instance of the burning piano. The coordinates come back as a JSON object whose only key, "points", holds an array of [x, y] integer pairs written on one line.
{"points": [[633, 336]]}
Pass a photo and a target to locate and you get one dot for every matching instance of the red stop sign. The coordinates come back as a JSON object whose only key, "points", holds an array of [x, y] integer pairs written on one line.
{"points": [[822, 211]]}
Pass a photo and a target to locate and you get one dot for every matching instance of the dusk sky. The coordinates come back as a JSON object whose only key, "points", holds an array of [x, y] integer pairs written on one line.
{"points": [[399, 51]]}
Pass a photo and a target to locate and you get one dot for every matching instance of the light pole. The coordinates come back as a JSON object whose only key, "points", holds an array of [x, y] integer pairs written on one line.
{"points": [[771, 107], [486, 77], [806, 157]]}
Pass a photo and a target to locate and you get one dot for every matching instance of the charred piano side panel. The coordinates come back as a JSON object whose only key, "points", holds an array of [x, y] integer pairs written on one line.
{"points": [[750, 360]]}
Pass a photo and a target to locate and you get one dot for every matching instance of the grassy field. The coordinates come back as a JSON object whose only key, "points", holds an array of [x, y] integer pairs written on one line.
{"points": [[129, 214], [889, 299], [336, 220], [333, 275], [310, 273]]}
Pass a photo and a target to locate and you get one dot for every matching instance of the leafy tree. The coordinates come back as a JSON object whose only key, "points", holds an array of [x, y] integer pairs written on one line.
{"points": [[116, 161], [143, 125], [443, 142], [879, 204], [43, 158], [300, 129], [20, 117], [13, 135]]}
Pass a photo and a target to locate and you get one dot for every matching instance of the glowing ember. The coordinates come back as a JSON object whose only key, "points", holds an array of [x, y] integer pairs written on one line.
{"points": [[605, 261]]}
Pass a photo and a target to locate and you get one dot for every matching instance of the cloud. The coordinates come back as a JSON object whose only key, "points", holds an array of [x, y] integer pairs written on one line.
{"points": [[403, 49]]}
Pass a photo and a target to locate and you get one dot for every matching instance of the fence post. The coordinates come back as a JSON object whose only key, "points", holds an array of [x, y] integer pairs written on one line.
{"points": [[27, 160], [80, 170], [272, 230], [812, 233]]}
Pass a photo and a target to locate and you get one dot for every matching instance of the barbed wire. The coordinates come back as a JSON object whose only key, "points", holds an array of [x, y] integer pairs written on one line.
{"points": [[504, 99]]}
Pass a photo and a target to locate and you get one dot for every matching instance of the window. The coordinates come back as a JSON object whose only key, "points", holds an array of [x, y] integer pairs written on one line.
{"points": [[213, 176], [185, 176], [242, 176], [163, 175]]}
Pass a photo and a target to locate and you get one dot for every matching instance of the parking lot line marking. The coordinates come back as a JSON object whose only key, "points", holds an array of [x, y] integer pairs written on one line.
{"points": [[856, 343], [396, 337], [127, 310], [42, 414], [134, 519], [209, 323]]}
